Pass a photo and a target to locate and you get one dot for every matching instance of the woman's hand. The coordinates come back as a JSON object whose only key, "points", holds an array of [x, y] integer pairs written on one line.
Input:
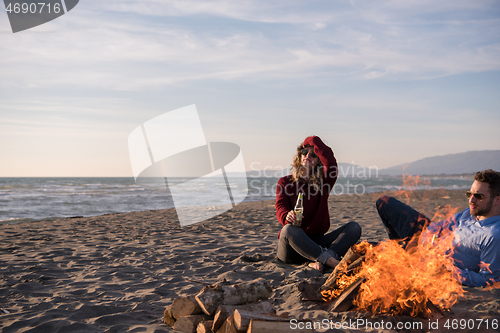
{"points": [[290, 217]]}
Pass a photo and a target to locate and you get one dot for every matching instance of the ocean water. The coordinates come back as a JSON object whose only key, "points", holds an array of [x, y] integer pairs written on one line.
{"points": [[31, 199]]}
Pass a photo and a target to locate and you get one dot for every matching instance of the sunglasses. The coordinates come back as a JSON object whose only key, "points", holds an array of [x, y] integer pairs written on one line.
{"points": [[478, 196], [305, 151]]}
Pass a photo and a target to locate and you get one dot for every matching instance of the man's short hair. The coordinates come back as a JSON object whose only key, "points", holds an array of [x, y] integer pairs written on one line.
{"points": [[492, 178]]}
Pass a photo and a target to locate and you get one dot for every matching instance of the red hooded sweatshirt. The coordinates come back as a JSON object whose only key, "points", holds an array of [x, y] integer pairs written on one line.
{"points": [[316, 218]]}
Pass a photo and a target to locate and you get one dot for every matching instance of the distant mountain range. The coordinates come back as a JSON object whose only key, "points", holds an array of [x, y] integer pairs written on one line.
{"points": [[451, 164]]}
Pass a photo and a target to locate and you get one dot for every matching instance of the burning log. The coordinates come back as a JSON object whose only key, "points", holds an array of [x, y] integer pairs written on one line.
{"points": [[389, 280], [433, 313], [345, 301], [401, 282], [351, 260]]}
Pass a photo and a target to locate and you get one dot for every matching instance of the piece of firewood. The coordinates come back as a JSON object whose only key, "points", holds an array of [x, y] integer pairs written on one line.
{"points": [[222, 328], [434, 312], [358, 262], [224, 311], [205, 326], [342, 266], [211, 297], [167, 316], [344, 301], [242, 318], [228, 326], [189, 324], [185, 306], [263, 326]]}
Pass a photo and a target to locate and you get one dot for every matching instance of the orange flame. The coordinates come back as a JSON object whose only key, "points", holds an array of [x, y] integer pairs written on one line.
{"points": [[343, 282], [492, 285], [485, 266], [409, 183], [444, 213], [346, 278], [400, 281]]}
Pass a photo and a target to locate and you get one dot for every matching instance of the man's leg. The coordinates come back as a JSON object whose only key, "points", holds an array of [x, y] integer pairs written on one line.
{"points": [[400, 220]]}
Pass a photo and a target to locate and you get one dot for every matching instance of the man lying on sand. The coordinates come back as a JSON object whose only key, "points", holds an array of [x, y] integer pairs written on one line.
{"points": [[476, 230], [314, 172]]}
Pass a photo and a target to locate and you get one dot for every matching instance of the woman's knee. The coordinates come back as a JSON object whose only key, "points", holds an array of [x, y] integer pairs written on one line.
{"points": [[291, 231]]}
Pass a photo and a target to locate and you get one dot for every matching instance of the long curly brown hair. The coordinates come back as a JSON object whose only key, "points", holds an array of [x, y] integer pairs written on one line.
{"points": [[315, 175]]}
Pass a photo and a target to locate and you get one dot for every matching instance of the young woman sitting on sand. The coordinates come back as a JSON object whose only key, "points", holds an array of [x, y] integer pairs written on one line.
{"points": [[314, 172]]}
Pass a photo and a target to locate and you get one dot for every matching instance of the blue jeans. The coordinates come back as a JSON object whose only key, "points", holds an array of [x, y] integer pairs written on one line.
{"points": [[400, 220], [294, 246]]}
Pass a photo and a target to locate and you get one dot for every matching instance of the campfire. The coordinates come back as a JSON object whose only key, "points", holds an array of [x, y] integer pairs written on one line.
{"points": [[384, 278]]}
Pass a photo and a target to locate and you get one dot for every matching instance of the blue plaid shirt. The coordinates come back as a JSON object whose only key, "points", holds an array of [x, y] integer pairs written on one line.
{"points": [[477, 247]]}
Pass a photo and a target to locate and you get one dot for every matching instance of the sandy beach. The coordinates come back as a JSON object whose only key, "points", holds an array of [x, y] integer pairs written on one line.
{"points": [[118, 272]]}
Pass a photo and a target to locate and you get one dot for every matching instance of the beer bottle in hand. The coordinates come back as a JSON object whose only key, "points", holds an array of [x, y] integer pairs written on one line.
{"points": [[299, 210]]}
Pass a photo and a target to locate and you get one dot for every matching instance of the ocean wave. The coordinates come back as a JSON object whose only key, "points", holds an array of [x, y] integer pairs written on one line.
{"points": [[16, 220], [33, 199]]}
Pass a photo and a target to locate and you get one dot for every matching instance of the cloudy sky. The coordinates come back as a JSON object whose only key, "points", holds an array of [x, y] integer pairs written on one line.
{"points": [[381, 82]]}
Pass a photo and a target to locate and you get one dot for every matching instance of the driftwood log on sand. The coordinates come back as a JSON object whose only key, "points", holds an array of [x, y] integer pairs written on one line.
{"points": [[205, 326], [189, 323], [185, 306], [211, 297], [225, 311], [195, 313], [242, 319]]}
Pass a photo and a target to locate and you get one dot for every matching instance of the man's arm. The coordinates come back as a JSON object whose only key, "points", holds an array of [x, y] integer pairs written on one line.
{"points": [[489, 272], [489, 267], [439, 229]]}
